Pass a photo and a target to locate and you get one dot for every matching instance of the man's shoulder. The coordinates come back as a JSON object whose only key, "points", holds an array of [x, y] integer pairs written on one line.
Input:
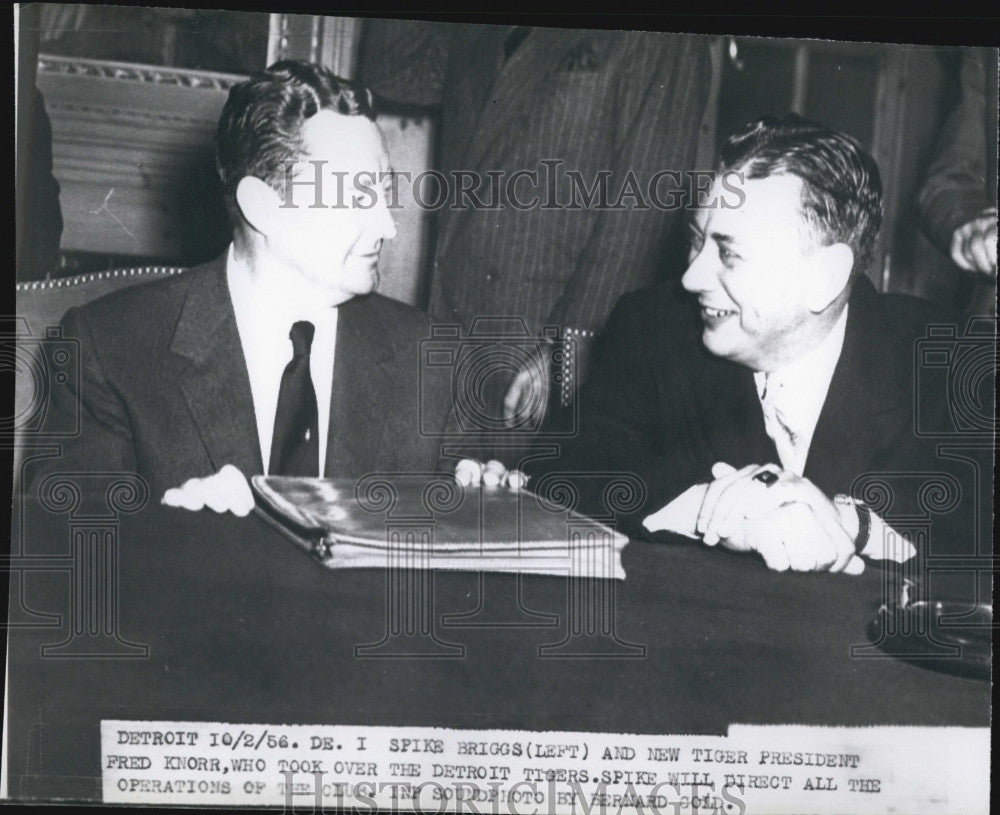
{"points": [[380, 321], [398, 309], [395, 317], [904, 318], [142, 304]]}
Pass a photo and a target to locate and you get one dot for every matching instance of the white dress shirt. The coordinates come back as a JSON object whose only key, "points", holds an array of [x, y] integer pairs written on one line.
{"points": [[796, 393], [264, 319]]}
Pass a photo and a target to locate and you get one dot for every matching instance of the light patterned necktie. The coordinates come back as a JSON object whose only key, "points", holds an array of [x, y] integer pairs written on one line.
{"points": [[776, 424]]}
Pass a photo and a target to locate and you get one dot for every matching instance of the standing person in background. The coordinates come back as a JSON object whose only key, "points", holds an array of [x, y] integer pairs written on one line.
{"points": [[559, 103], [958, 201]]}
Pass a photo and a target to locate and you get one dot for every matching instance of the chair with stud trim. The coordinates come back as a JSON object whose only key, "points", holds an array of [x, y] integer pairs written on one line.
{"points": [[34, 349]]}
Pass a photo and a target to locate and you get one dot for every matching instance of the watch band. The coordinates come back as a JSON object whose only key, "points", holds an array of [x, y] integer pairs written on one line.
{"points": [[864, 526], [864, 520]]}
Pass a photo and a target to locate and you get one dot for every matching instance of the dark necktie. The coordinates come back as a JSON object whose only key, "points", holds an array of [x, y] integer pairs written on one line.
{"points": [[295, 444]]}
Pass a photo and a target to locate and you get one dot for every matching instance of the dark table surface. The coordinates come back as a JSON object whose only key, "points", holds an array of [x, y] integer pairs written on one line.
{"points": [[242, 626]]}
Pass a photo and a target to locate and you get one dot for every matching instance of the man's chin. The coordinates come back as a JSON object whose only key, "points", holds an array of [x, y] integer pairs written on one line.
{"points": [[367, 286], [717, 344], [365, 277]]}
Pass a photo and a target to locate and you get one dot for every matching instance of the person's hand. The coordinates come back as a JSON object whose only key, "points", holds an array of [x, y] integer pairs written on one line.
{"points": [[492, 475], [527, 396], [795, 536], [974, 244], [785, 518], [226, 491]]}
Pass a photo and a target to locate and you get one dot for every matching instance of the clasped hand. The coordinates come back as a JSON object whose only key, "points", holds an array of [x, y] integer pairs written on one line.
{"points": [[789, 522]]}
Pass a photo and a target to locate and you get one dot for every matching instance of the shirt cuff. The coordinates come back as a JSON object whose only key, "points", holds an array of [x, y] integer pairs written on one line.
{"points": [[881, 542], [885, 543]]}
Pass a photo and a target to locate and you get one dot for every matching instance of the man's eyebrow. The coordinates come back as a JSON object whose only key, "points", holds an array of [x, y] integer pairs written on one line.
{"points": [[719, 237]]}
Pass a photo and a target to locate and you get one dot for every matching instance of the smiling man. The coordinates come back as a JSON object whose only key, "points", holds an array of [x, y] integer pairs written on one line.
{"points": [[765, 391], [277, 357]]}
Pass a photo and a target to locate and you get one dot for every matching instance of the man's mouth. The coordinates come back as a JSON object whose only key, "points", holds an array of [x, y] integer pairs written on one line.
{"points": [[716, 313]]}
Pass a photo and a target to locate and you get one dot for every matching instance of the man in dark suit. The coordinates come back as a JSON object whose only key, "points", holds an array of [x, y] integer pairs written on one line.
{"points": [[277, 357], [778, 389], [546, 110]]}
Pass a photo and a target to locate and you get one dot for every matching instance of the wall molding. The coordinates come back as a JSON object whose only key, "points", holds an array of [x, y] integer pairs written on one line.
{"points": [[49, 64], [133, 149]]}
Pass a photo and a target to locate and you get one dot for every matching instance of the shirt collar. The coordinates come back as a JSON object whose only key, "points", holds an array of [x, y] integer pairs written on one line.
{"points": [[805, 380]]}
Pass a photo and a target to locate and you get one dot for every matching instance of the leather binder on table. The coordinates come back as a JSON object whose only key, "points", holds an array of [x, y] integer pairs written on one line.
{"points": [[430, 522]]}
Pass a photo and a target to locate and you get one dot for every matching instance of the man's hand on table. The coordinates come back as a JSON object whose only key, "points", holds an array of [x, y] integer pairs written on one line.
{"points": [[783, 517], [229, 491], [493, 475], [226, 491]]}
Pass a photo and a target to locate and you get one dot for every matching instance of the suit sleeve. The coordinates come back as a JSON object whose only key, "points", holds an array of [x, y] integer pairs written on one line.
{"points": [[663, 86], [626, 426], [956, 189], [92, 423], [932, 481]]}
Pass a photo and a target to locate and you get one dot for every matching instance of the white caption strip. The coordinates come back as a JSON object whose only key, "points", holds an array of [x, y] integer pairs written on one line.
{"points": [[752, 770]]}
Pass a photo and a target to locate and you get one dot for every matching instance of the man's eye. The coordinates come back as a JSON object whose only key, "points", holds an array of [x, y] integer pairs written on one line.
{"points": [[696, 241], [728, 256]]}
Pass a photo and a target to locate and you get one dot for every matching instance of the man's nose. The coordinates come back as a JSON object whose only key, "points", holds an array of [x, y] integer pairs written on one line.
{"points": [[701, 272]]}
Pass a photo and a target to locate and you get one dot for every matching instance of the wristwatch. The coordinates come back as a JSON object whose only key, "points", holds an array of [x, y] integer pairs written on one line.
{"points": [[864, 519]]}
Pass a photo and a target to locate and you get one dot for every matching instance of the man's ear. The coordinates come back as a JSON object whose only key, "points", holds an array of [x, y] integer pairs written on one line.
{"points": [[830, 272], [257, 202]]}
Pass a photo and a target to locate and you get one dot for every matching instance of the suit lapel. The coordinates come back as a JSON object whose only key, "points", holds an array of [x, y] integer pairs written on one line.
{"points": [[867, 399], [215, 382], [730, 413], [361, 373]]}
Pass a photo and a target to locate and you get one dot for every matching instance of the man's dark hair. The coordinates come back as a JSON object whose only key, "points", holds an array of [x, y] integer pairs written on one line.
{"points": [[841, 187], [260, 128]]}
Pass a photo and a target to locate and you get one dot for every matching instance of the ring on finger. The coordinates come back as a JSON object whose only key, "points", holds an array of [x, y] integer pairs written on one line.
{"points": [[766, 476]]}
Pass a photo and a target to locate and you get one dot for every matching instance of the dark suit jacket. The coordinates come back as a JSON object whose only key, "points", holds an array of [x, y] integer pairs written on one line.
{"points": [[597, 101], [658, 405], [165, 391]]}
